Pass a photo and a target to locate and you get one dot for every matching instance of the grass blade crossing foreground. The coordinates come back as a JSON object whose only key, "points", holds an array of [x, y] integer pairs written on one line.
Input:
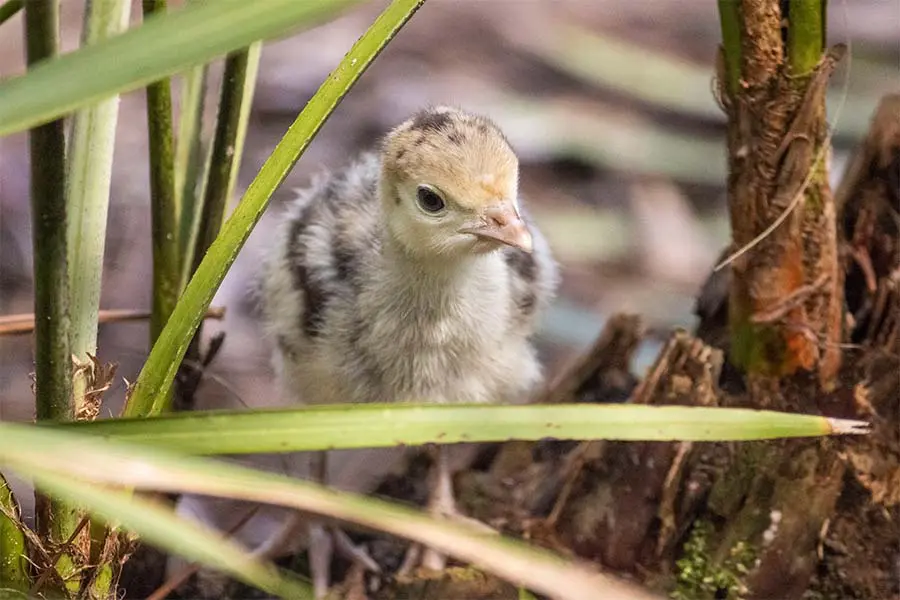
{"points": [[193, 35], [150, 392], [373, 426], [161, 527], [57, 456]]}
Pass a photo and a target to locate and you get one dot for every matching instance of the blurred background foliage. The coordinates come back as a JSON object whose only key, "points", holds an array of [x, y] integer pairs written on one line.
{"points": [[608, 103]]}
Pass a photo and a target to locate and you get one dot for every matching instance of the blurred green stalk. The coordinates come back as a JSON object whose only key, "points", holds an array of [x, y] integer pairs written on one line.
{"points": [[188, 142], [191, 163], [806, 35], [164, 211], [730, 21], [238, 85]]}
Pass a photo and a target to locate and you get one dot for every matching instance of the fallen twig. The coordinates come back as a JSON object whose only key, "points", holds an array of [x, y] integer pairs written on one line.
{"points": [[24, 323]]}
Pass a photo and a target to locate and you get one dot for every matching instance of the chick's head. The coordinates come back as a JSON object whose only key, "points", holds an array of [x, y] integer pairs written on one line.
{"points": [[449, 186]]}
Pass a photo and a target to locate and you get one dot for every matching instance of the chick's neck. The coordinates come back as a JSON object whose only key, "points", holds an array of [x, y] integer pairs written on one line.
{"points": [[435, 283]]}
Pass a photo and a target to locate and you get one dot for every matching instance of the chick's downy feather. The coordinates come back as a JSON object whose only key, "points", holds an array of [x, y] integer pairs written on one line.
{"points": [[368, 300]]}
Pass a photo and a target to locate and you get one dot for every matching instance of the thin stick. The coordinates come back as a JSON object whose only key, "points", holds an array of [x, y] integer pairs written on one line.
{"points": [[51, 561], [24, 323]]}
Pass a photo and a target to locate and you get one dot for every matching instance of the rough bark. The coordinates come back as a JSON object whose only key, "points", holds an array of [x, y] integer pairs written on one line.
{"points": [[785, 301]]}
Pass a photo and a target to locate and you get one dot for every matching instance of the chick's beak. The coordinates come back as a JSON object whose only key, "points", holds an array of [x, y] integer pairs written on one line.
{"points": [[503, 224]]}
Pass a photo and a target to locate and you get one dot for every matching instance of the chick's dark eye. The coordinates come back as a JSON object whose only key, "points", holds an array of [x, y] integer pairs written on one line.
{"points": [[429, 200]]}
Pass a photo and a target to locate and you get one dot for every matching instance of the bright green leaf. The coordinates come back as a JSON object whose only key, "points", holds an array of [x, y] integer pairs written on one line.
{"points": [[162, 46], [377, 425]]}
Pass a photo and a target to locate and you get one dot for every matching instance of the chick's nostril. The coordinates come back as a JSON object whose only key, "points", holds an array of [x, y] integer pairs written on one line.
{"points": [[497, 217]]}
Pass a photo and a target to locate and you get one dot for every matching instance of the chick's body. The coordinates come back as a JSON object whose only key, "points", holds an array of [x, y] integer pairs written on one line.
{"points": [[369, 303]]}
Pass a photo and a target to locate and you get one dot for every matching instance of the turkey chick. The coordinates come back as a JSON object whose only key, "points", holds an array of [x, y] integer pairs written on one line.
{"points": [[412, 276]]}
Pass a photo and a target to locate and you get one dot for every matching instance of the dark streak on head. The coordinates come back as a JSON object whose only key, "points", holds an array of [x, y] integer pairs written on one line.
{"points": [[455, 137], [488, 127], [429, 120], [314, 295]]}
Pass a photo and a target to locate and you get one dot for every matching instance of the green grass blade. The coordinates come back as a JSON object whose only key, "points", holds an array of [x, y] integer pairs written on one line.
{"points": [[193, 35], [151, 391], [32, 450], [372, 425], [9, 9], [90, 160], [161, 527]]}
